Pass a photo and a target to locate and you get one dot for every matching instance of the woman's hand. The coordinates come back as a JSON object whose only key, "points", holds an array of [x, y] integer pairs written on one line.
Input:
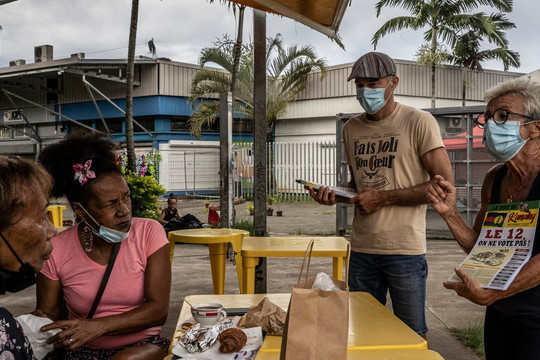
{"points": [[471, 289], [441, 195], [75, 333]]}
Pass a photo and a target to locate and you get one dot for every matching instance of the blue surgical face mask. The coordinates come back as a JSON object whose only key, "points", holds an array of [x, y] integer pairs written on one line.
{"points": [[109, 235], [372, 100], [503, 142]]}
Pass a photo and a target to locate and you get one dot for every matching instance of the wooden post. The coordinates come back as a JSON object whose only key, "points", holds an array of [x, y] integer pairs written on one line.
{"points": [[259, 141], [226, 159]]}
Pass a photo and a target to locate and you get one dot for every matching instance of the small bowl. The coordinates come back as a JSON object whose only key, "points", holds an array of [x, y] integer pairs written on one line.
{"points": [[208, 314]]}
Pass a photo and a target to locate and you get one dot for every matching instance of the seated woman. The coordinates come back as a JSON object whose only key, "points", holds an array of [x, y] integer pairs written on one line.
{"points": [[135, 302], [25, 232], [170, 212]]}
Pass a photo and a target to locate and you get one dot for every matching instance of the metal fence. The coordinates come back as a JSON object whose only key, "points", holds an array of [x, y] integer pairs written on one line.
{"points": [[196, 172], [190, 172]]}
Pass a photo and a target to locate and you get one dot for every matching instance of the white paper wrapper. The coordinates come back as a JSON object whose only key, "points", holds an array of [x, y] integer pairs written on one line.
{"points": [[31, 325]]}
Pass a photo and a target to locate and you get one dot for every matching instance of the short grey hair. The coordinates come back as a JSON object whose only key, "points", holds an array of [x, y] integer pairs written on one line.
{"points": [[523, 87], [21, 181]]}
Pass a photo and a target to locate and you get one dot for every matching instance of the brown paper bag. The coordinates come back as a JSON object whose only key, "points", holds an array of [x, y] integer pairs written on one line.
{"points": [[317, 323], [267, 315]]}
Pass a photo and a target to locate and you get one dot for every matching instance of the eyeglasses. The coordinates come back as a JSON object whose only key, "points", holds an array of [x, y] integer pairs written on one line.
{"points": [[499, 117]]}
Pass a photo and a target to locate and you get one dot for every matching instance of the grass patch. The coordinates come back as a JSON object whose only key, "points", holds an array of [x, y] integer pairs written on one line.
{"points": [[248, 225], [245, 225], [472, 337], [296, 232], [299, 232]]}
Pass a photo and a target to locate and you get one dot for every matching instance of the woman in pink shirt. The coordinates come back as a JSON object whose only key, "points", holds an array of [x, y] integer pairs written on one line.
{"points": [[127, 321]]}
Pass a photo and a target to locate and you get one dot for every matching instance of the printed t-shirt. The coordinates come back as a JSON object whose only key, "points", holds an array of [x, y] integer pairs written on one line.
{"points": [[80, 277], [385, 155]]}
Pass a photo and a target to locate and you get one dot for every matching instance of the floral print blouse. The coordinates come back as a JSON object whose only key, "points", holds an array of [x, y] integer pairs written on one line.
{"points": [[14, 344]]}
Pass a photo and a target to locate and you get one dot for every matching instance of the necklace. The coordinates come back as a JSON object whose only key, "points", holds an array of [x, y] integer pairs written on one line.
{"points": [[510, 197], [87, 238]]}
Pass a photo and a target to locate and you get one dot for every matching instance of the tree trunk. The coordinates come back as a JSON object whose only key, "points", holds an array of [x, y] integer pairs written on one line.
{"points": [[237, 51], [433, 52], [130, 143]]}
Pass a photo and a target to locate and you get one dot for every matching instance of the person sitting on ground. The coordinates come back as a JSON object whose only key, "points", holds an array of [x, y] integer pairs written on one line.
{"points": [[26, 232], [170, 212], [127, 321]]}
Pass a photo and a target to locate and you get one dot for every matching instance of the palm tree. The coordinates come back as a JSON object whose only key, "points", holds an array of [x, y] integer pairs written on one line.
{"points": [[287, 74], [444, 21], [130, 142], [468, 56], [238, 45]]}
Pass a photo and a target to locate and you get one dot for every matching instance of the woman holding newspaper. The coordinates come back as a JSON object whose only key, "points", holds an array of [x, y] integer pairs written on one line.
{"points": [[511, 126]]}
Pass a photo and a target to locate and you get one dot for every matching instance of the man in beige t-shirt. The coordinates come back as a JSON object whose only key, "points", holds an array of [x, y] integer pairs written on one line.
{"points": [[393, 151]]}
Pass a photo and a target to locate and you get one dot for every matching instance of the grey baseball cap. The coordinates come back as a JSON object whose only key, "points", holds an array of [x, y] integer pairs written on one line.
{"points": [[374, 65]]}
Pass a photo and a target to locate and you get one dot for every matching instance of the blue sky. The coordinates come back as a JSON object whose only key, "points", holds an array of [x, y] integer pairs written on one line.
{"points": [[181, 28]]}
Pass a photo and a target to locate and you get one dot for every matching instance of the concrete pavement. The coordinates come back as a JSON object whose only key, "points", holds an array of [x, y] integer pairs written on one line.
{"points": [[191, 272]]}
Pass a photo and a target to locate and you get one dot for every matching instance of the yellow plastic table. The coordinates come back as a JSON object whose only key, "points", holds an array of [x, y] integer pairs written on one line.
{"points": [[371, 325], [290, 246], [217, 240], [410, 354], [55, 214]]}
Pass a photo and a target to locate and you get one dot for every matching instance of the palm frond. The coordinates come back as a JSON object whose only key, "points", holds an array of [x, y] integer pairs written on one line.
{"points": [[216, 56], [207, 83], [409, 5], [507, 57], [205, 113], [273, 44], [393, 25], [288, 71]]}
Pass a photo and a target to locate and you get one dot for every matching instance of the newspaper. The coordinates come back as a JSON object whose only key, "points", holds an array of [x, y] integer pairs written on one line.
{"points": [[340, 191], [503, 246]]}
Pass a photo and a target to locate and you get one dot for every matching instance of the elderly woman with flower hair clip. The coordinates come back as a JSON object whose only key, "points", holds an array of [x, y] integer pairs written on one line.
{"points": [[115, 318]]}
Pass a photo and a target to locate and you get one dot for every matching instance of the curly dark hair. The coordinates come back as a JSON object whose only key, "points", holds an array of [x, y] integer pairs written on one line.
{"points": [[59, 158]]}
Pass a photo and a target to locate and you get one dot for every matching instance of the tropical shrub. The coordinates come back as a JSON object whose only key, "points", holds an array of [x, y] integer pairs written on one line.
{"points": [[145, 191]]}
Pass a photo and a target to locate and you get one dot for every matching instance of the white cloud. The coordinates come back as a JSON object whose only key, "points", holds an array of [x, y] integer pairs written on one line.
{"points": [[181, 28]]}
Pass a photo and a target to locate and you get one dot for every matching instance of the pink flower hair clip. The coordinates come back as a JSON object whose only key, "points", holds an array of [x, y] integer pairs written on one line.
{"points": [[83, 172]]}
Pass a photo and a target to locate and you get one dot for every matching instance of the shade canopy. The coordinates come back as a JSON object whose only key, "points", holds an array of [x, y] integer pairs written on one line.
{"points": [[321, 15], [460, 141]]}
